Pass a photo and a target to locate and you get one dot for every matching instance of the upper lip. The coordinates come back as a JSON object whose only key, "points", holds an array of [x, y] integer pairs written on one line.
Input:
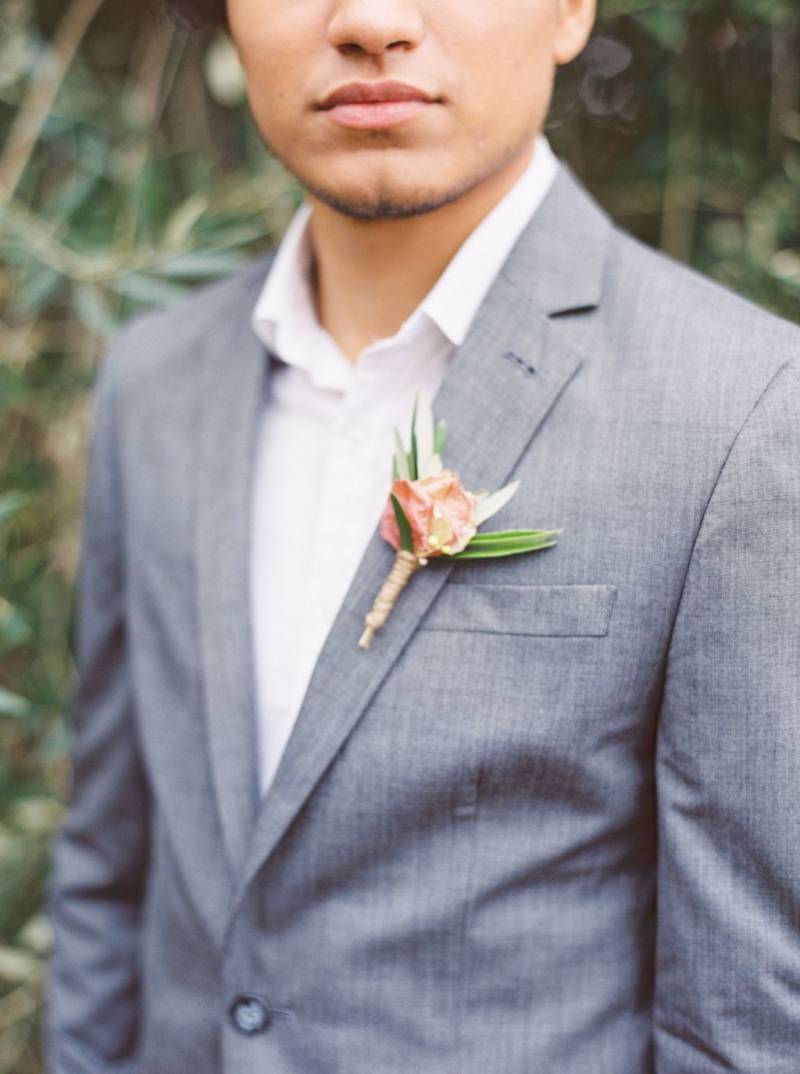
{"points": [[371, 92]]}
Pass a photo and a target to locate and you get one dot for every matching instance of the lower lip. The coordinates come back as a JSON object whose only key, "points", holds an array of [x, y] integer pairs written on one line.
{"points": [[375, 116]]}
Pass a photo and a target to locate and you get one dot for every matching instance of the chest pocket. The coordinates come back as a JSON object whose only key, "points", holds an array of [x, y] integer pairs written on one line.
{"points": [[520, 608]]}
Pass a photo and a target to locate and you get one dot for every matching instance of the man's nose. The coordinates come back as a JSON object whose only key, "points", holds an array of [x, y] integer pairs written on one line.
{"points": [[374, 26]]}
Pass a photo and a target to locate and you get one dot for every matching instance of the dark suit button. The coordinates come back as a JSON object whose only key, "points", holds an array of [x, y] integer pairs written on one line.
{"points": [[249, 1013]]}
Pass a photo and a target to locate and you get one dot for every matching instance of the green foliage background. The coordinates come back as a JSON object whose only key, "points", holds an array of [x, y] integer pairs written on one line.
{"points": [[129, 172]]}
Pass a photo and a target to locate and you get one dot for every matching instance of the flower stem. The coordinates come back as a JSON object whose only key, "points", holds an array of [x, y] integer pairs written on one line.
{"points": [[405, 564]]}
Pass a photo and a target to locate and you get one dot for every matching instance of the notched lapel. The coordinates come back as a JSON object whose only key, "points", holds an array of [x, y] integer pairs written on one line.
{"points": [[234, 379]]}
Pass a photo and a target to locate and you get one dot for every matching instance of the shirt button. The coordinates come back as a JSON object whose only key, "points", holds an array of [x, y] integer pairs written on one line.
{"points": [[249, 1013]]}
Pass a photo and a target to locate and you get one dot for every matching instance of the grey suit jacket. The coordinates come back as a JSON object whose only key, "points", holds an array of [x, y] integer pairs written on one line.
{"points": [[549, 823]]}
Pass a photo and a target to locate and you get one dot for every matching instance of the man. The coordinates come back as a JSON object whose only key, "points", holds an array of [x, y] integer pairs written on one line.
{"points": [[548, 822]]}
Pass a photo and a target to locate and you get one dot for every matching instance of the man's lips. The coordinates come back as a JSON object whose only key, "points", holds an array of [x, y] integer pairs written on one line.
{"points": [[375, 105]]}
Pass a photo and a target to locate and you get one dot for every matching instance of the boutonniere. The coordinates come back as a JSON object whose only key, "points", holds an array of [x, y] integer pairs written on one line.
{"points": [[430, 514]]}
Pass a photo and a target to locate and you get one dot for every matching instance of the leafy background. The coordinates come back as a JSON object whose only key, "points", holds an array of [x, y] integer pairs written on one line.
{"points": [[130, 172]]}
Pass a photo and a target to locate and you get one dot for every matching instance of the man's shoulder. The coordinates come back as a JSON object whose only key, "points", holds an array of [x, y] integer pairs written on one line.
{"points": [[163, 342], [687, 349], [672, 311]]}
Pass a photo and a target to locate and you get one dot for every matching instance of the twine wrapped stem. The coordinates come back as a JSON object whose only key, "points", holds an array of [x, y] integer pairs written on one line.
{"points": [[405, 564]]}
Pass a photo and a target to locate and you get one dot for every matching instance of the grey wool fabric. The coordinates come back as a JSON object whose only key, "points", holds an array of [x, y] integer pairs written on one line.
{"points": [[549, 823]]}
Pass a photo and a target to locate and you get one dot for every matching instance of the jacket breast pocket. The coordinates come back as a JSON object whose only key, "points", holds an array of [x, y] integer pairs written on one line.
{"points": [[521, 608]]}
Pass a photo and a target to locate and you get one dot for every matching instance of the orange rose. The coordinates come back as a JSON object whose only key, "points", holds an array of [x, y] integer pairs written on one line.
{"points": [[440, 512]]}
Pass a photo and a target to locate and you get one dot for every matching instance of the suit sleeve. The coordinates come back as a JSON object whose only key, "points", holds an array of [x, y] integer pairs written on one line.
{"points": [[728, 768], [99, 857]]}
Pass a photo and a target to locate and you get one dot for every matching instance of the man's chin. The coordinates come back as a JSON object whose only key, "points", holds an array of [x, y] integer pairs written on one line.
{"points": [[386, 205]]}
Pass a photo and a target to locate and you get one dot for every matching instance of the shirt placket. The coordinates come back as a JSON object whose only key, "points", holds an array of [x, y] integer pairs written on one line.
{"points": [[333, 539]]}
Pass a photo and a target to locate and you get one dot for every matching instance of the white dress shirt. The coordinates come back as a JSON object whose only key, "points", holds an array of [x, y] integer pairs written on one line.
{"points": [[324, 461]]}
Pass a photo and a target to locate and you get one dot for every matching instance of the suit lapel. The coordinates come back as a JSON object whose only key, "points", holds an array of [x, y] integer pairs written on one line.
{"points": [[233, 380], [499, 388]]}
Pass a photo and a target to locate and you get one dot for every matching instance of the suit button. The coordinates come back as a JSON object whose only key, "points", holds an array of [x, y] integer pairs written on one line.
{"points": [[249, 1013]]}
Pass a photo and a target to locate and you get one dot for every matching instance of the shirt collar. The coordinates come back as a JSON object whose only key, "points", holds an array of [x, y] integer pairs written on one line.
{"points": [[285, 319]]}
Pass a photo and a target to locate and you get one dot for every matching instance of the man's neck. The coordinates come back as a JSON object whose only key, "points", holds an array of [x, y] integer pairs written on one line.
{"points": [[369, 276]]}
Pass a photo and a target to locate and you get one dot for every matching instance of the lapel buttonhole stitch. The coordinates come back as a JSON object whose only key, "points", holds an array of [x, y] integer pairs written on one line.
{"points": [[521, 362]]}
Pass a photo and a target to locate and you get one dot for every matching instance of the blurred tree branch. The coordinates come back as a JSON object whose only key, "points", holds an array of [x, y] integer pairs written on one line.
{"points": [[42, 92]]}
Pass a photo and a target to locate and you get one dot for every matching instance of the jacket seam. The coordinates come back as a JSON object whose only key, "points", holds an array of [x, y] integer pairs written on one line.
{"points": [[723, 466]]}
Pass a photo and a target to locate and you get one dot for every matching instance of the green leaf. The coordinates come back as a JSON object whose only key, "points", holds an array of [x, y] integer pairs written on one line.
{"points": [[93, 310], [15, 629], [223, 236], [440, 437], [508, 545], [498, 553], [147, 290], [13, 705], [72, 196], [403, 525], [37, 288], [412, 455], [183, 220], [491, 536], [518, 544], [400, 459], [490, 505], [200, 265], [10, 503], [423, 430]]}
